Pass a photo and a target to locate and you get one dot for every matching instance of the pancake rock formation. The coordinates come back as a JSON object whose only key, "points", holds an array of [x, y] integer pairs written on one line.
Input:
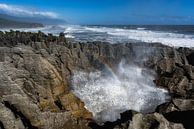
{"points": [[39, 84]]}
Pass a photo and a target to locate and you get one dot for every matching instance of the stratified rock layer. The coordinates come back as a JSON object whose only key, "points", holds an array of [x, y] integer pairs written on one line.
{"points": [[35, 74]]}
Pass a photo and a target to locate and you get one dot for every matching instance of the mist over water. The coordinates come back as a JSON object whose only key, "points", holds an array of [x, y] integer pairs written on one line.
{"points": [[107, 94]]}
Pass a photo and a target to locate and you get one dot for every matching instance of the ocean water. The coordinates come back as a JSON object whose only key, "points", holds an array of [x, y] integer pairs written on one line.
{"points": [[177, 35]]}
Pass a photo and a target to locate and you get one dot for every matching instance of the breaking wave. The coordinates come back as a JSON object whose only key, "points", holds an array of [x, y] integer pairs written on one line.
{"points": [[107, 94], [117, 35]]}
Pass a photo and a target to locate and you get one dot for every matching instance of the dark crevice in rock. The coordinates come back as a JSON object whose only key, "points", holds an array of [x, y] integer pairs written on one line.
{"points": [[190, 59], [60, 59], [19, 114], [1, 125], [81, 47], [154, 125], [69, 70], [99, 50], [58, 104], [184, 117], [167, 74], [125, 117], [176, 95]]}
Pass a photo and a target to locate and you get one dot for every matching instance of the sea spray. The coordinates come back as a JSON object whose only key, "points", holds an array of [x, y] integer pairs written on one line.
{"points": [[107, 94]]}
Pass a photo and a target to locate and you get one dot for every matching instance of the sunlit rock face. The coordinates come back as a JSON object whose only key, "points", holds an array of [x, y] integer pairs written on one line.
{"points": [[107, 94]]}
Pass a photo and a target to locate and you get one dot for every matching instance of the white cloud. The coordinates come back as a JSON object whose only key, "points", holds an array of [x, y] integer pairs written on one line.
{"points": [[16, 10]]}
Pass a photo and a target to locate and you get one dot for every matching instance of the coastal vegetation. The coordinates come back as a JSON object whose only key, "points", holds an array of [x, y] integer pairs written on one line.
{"points": [[5, 23]]}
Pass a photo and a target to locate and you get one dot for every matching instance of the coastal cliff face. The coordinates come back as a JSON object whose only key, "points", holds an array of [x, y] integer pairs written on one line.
{"points": [[36, 73]]}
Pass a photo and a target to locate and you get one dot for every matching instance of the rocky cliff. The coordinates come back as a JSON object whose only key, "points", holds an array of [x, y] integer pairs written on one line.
{"points": [[35, 82]]}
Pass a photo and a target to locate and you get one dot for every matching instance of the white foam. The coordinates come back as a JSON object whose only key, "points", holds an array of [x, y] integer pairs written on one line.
{"points": [[141, 28], [107, 95], [171, 39], [69, 36], [117, 35], [74, 29]]}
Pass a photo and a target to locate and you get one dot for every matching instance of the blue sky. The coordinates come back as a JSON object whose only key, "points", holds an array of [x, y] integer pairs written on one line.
{"points": [[106, 11]]}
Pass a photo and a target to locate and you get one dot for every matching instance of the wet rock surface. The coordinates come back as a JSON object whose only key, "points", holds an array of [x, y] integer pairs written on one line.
{"points": [[35, 88]]}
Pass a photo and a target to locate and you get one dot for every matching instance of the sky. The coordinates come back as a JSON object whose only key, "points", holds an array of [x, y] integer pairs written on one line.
{"points": [[105, 11]]}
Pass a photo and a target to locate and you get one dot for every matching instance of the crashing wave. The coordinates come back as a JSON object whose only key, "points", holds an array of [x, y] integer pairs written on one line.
{"points": [[107, 94]]}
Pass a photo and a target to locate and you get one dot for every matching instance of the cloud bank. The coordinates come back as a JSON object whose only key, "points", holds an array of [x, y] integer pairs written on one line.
{"points": [[21, 11]]}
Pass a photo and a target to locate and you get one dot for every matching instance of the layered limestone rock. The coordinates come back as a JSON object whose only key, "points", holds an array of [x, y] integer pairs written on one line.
{"points": [[152, 121], [35, 88], [32, 90]]}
